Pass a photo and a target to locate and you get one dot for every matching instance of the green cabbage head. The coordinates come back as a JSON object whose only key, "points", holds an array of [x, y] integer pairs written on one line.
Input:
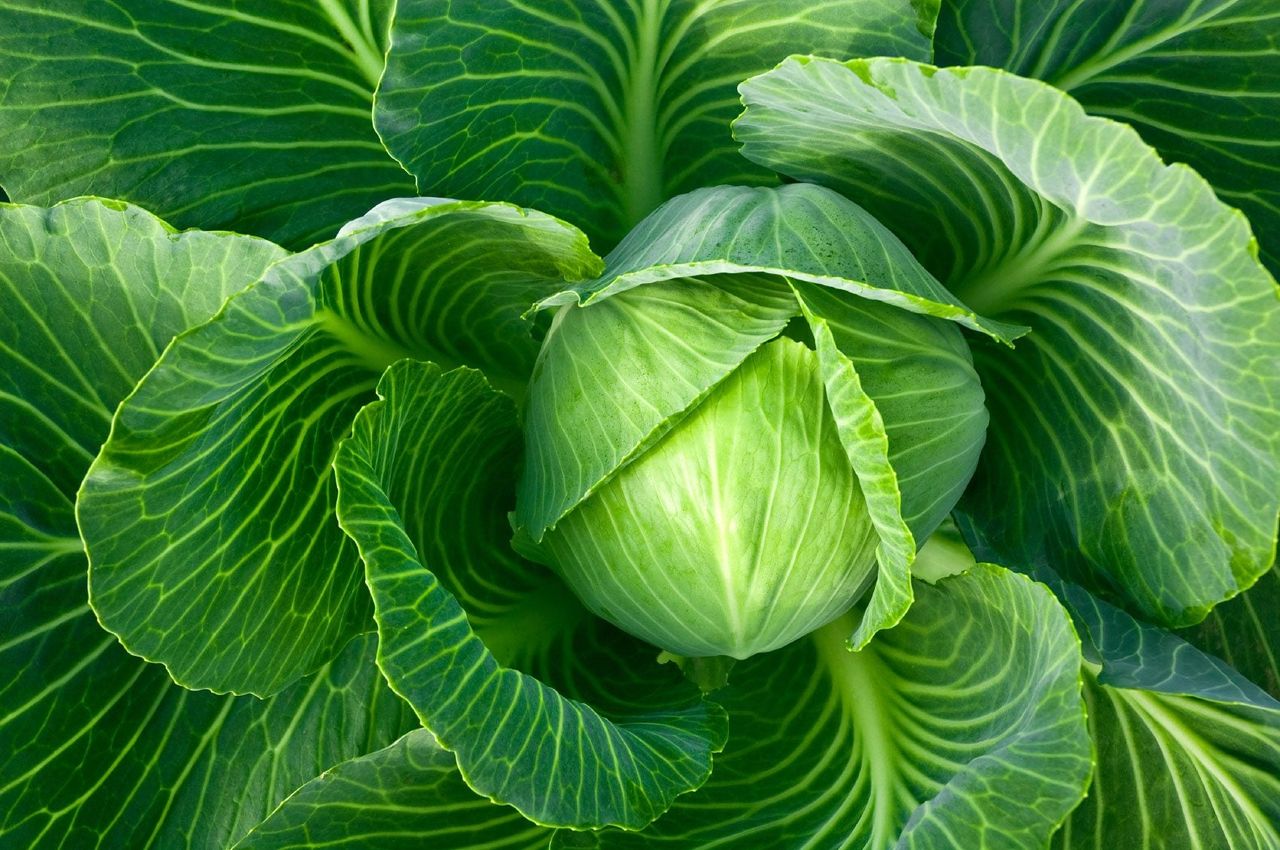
{"points": [[685, 473]]}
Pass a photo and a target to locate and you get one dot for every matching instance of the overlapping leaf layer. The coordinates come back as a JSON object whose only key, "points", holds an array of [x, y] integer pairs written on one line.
{"points": [[295, 475]]}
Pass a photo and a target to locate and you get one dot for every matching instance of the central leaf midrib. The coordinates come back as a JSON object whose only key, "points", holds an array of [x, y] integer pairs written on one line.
{"points": [[367, 56], [641, 166], [857, 679], [1103, 61], [376, 352], [997, 287]]}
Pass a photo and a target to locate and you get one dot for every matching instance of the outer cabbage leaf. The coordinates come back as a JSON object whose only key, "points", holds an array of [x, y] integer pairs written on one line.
{"points": [[625, 736], [1188, 750], [97, 748], [208, 514], [405, 797], [247, 116], [1178, 772], [962, 726], [1200, 80], [93, 291], [597, 111], [1245, 632], [1135, 432]]}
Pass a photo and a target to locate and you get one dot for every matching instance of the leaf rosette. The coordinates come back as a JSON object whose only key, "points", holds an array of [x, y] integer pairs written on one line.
{"points": [[730, 439]]}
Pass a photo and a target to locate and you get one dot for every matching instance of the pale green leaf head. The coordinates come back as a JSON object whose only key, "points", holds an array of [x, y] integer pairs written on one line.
{"points": [[708, 466], [741, 530]]}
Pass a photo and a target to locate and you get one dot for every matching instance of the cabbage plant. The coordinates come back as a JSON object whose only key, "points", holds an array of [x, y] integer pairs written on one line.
{"points": [[623, 423]]}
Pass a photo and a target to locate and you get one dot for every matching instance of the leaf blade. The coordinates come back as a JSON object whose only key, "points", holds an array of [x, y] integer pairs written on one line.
{"points": [[483, 100], [150, 103], [872, 756], [1198, 82], [515, 737], [208, 514], [1147, 307], [97, 748], [413, 784]]}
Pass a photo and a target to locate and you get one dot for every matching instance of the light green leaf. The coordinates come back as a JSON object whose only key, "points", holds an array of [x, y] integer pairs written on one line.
{"points": [[598, 111], [693, 291], [1200, 80], [943, 554], [893, 379], [208, 514], [219, 114], [743, 529], [799, 231], [444, 444], [97, 748], [614, 377], [862, 432], [405, 797], [920, 374], [1135, 433], [962, 726], [742, 240]]}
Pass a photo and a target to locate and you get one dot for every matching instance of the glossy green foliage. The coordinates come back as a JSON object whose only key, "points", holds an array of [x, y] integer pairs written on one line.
{"points": [[926, 415], [1134, 431], [224, 115], [602, 109]]}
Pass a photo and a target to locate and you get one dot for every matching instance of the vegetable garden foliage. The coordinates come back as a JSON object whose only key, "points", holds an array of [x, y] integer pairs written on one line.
{"points": [[639, 423]]}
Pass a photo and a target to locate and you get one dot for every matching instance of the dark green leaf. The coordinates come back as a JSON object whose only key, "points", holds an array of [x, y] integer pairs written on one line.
{"points": [[1188, 750], [961, 727], [97, 748], [1178, 773], [1199, 79], [248, 116], [92, 293], [441, 446], [1245, 632], [208, 516], [1135, 655], [409, 796], [599, 110]]}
